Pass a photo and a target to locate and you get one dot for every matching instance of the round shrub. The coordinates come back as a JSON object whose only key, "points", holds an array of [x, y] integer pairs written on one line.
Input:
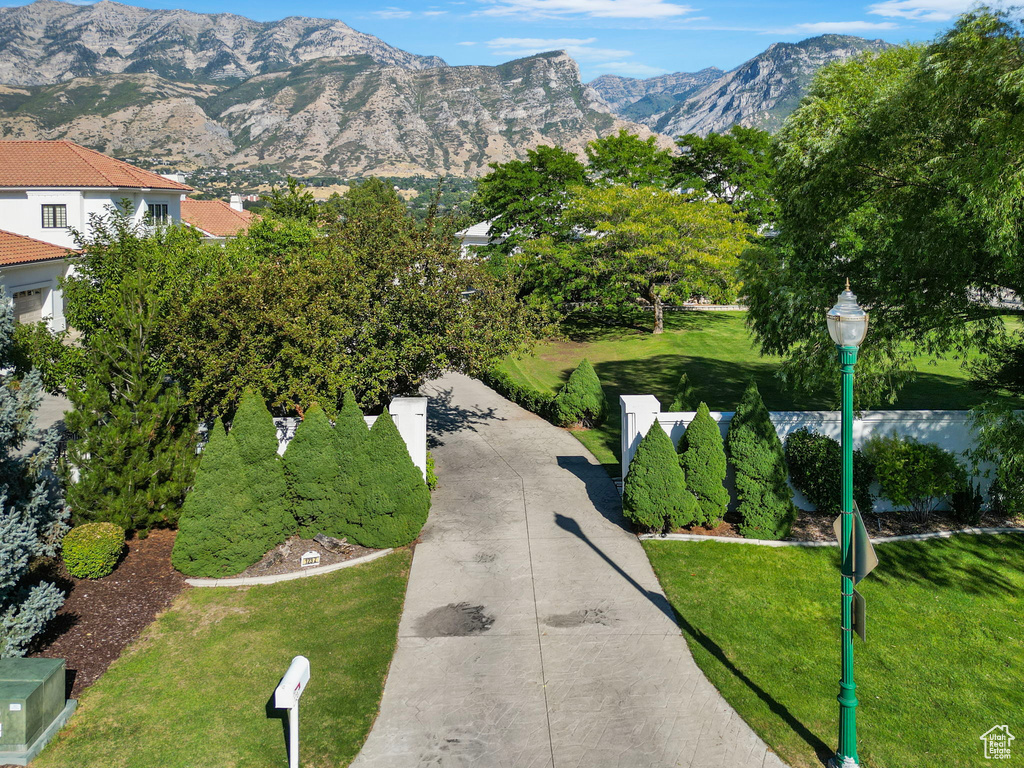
{"points": [[816, 470], [91, 550], [581, 400]]}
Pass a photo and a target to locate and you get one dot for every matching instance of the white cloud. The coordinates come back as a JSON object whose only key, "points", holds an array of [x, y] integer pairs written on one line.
{"points": [[466, 42], [617, 9], [841, 27], [434, 13], [628, 69], [579, 48], [393, 13], [921, 10]]}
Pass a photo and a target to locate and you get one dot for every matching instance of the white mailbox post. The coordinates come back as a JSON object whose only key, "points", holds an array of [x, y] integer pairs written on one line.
{"points": [[286, 696]]}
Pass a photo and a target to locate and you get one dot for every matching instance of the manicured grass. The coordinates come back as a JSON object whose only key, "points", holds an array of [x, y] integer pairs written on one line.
{"points": [[942, 664], [196, 689], [717, 354]]}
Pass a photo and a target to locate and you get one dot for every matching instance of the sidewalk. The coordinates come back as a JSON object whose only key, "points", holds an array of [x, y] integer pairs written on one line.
{"points": [[535, 632]]}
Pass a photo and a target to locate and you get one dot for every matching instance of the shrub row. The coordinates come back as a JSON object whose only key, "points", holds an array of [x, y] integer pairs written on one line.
{"points": [[541, 403], [342, 480], [581, 400]]}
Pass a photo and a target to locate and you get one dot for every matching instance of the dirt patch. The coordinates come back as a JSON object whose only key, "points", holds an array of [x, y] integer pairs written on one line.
{"points": [[812, 526], [284, 558], [580, 618], [102, 616], [455, 620]]}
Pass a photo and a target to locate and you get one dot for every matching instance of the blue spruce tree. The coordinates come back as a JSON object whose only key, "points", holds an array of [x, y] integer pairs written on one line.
{"points": [[32, 512]]}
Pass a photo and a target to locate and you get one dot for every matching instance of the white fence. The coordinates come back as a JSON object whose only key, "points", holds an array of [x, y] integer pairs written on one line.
{"points": [[409, 415], [950, 430]]}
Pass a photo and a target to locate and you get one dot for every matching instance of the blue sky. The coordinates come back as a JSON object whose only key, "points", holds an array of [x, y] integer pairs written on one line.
{"points": [[638, 38]]}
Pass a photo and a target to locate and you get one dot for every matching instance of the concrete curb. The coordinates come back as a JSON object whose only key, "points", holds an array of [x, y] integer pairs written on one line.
{"points": [[765, 543], [248, 581]]}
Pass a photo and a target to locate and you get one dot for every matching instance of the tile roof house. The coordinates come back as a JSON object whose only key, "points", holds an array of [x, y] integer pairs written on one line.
{"points": [[215, 219], [47, 190]]}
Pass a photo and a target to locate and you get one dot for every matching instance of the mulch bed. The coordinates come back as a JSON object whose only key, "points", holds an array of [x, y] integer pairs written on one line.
{"points": [[102, 616], [284, 558], [810, 526]]}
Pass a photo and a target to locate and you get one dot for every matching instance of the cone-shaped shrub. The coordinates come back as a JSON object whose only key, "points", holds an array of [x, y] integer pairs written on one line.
{"points": [[654, 494], [581, 400], [702, 457], [311, 469], [219, 533], [685, 398], [392, 501], [256, 436], [765, 499], [352, 476]]}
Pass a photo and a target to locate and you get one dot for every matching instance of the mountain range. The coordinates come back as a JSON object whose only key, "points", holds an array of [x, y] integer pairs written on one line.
{"points": [[314, 96]]}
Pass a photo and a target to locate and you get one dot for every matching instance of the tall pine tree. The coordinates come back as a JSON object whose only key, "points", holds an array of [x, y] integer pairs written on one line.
{"points": [[32, 512], [702, 457], [765, 498], [135, 454]]}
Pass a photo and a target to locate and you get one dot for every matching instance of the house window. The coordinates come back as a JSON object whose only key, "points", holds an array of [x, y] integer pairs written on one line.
{"points": [[55, 217], [158, 213]]}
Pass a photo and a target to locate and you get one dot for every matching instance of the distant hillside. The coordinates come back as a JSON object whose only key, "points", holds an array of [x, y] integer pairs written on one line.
{"points": [[347, 116], [51, 42], [762, 92]]}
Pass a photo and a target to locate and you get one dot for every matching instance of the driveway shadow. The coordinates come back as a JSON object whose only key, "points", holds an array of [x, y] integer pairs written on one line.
{"points": [[445, 417], [600, 489]]}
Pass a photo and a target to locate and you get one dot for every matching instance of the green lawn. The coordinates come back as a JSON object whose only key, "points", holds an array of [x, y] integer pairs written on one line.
{"points": [[716, 352], [195, 689], [943, 662]]}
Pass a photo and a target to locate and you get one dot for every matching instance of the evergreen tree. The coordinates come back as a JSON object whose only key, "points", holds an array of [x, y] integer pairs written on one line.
{"points": [[393, 501], [654, 494], [32, 513], [311, 469], [219, 533], [351, 437], [581, 400], [765, 499], [685, 396], [256, 436], [135, 456], [702, 457]]}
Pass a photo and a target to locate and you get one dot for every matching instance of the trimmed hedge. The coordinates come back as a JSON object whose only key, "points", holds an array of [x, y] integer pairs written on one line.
{"points": [[581, 400], [220, 531], [91, 551], [256, 436], [765, 499], [312, 472], [815, 464], [654, 494], [685, 396], [702, 457], [533, 400], [391, 504]]}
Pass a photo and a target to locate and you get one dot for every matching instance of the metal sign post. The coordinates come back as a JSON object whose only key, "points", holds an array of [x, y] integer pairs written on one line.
{"points": [[286, 696]]}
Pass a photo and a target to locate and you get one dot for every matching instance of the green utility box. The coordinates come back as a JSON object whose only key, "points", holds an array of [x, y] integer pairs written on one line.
{"points": [[31, 698]]}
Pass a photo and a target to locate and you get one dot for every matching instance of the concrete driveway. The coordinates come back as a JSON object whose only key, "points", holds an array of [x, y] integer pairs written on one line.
{"points": [[535, 632]]}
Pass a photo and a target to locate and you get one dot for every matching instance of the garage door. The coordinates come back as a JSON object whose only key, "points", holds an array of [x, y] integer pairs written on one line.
{"points": [[28, 305]]}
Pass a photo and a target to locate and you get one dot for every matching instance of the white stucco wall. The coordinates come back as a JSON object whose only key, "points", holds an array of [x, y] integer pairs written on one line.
{"points": [[409, 415], [21, 210], [951, 430], [43, 275]]}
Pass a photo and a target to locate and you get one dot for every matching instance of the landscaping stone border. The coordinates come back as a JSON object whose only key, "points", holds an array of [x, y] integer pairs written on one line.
{"points": [[247, 581], [767, 543]]}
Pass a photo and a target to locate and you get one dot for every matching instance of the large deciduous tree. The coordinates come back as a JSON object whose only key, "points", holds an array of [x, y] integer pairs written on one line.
{"points": [[735, 168], [904, 172], [625, 158], [640, 244]]}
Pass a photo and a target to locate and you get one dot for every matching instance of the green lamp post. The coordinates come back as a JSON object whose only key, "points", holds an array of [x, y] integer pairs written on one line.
{"points": [[847, 325]]}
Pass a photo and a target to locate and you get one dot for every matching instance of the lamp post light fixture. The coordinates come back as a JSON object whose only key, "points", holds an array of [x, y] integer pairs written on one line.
{"points": [[847, 325]]}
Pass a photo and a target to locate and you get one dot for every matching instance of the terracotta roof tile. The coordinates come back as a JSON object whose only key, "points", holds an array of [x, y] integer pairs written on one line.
{"points": [[18, 249], [215, 217], [66, 164]]}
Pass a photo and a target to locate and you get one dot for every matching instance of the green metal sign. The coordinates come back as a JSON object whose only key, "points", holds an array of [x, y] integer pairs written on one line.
{"points": [[860, 561]]}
